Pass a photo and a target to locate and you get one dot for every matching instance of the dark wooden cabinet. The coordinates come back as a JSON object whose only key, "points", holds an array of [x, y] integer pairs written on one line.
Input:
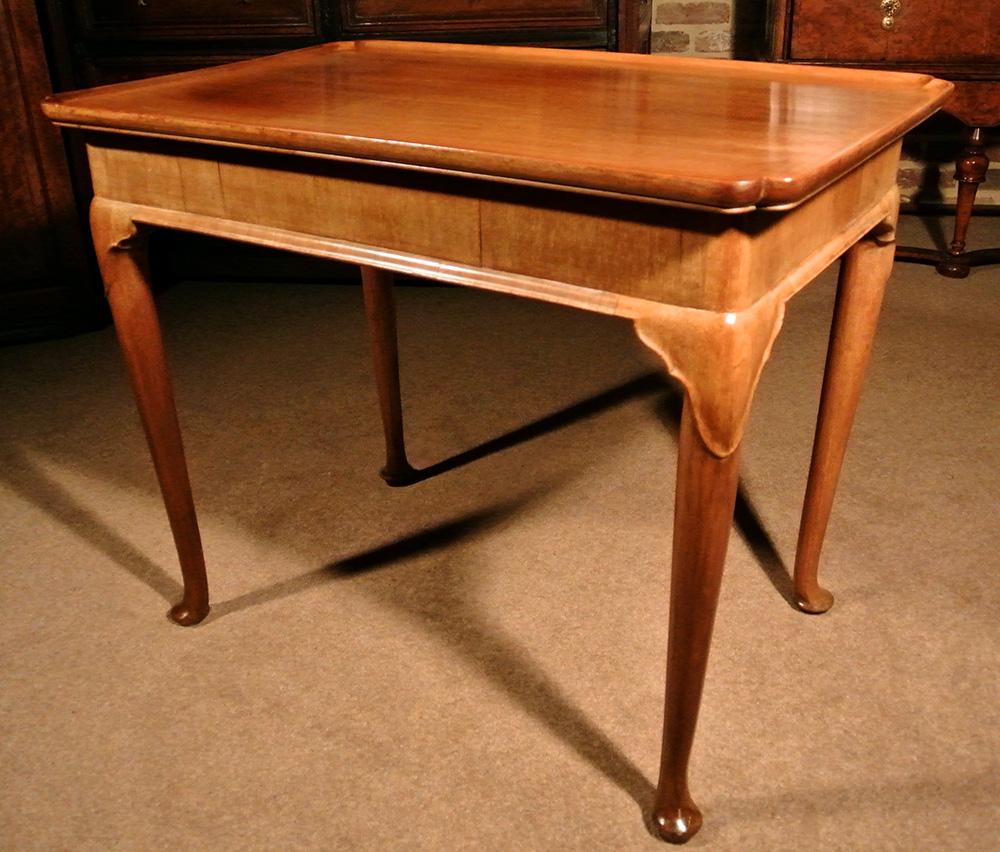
{"points": [[957, 42], [604, 24], [586, 20], [111, 40], [45, 284], [172, 19], [922, 32]]}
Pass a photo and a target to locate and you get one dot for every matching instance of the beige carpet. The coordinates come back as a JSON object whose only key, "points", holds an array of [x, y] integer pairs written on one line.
{"points": [[476, 662]]}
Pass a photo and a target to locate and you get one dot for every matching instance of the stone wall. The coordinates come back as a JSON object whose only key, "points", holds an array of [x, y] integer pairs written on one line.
{"points": [[706, 28], [702, 27]]}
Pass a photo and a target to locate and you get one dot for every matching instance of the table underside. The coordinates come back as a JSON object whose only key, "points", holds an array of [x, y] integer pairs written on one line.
{"points": [[705, 288]]}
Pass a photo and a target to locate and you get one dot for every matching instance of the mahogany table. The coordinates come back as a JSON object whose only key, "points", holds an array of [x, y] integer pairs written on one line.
{"points": [[723, 188]]}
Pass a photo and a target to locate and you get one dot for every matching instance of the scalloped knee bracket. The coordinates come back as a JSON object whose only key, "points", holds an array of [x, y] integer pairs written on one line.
{"points": [[718, 357]]}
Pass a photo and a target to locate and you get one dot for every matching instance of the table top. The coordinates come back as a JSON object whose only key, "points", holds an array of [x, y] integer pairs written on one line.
{"points": [[710, 132]]}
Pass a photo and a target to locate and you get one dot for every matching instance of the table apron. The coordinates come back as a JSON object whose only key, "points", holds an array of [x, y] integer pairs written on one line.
{"points": [[604, 254]]}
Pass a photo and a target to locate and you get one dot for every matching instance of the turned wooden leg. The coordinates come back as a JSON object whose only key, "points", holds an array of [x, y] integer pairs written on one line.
{"points": [[970, 171], [121, 253], [703, 516], [864, 271], [380, 310]]}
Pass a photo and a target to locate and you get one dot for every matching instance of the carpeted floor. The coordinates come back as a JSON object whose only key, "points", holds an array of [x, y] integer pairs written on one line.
{"points": [[476, 662]]}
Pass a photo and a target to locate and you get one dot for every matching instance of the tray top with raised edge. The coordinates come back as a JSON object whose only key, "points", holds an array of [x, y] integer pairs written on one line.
{"points": [[709, 132]]}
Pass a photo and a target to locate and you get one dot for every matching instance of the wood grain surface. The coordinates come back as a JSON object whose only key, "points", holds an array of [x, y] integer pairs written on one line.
{"points": [[303, 152], [721, 134], [675, 256]]}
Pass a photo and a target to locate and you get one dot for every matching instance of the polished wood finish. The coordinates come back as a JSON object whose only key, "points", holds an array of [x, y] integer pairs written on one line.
{"points": [[712, 248], [45, 284], [864, 272], [954, 42], [970, 171], [976, 102], [492, 112], [922, 32], [688, 258], [703, 516], [380, 310], [121, 253]]}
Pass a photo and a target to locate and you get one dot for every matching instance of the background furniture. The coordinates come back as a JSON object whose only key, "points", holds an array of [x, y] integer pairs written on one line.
{"points": [[102, 41], [958, 43], [45, 285]]}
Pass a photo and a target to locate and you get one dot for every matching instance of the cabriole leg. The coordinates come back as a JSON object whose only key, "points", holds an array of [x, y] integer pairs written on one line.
{"points": [[718, 358], [380, 310], [121, 253], [864, 271], [703, 515]]}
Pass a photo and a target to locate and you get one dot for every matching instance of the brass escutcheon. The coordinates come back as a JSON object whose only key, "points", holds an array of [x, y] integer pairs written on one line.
{"points": [[890, 8]]}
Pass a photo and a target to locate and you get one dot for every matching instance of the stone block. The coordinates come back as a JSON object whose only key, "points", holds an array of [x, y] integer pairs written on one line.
{"points": [[713, 41], [713, 12], [670, 41]]}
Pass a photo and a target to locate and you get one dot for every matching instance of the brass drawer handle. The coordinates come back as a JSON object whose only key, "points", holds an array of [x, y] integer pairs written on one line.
{"points": [[890, 8]]}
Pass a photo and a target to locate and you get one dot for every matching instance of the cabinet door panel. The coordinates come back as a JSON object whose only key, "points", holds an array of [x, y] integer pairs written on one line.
{"points": [[932, 31], [44, 281], [192, 18], [924, 31], [25, 242], [846, 30], [406, 15]]}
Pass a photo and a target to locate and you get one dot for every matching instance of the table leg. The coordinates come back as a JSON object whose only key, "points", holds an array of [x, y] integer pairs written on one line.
{"points": [[970, 171], [864, 272], [718, 358], [380, 310], [703, 515], [121, 253]]}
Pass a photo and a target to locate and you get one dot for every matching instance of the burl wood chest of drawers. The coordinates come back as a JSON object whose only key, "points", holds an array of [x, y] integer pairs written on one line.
{"points": [[957, 42]]}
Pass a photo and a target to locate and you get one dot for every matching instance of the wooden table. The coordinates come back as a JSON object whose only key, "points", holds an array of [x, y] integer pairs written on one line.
{"points": [[722, 189]]}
